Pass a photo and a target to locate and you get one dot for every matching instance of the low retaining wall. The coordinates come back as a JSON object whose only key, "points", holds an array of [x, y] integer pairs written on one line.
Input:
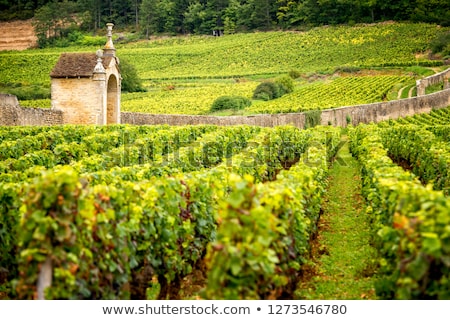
{"points": [[366, 113], [12, 114], [432, 80], [381, 111], [264, 120]]}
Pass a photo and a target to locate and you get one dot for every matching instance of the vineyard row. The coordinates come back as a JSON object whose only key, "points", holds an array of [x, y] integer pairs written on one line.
{"points": [[99, 239]]}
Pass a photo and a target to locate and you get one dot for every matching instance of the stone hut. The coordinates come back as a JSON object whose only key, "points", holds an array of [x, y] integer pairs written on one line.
{"points": [[86, 86]]}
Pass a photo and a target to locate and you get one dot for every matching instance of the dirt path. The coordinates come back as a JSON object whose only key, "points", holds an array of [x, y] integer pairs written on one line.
{"points": [[410, 93], [400, 92], [17, 35]]}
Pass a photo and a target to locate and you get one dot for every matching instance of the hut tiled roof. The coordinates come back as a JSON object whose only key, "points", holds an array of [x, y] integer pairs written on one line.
{"points": [[74, 65]]}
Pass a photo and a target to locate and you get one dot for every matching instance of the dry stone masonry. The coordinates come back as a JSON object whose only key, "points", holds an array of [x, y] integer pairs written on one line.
{"points": [[432, 80], [12, 114]]}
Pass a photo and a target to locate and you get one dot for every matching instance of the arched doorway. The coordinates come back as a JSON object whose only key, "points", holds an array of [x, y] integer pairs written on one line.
{"points": [[112, 100]]}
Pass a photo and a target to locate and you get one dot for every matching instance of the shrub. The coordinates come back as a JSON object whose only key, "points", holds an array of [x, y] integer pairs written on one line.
{"points": [[312, 118], [294, 74], [347, 69], [267, 90], [94, 41], [286, 84], [32, 92], [230, 102], [130, 79], [348, 119]]}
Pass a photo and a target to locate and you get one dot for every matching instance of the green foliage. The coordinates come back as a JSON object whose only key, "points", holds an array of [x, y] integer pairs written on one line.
{"points": [[286, 84], [342, 91], [423, 150], [9, 221], [434, 88], [441, 44], [247, 272], [130, 79], [348, 119], [294, 74], [312, 118], [347, 69], [181, 17], [267, 90], [139, 200], [29, 92], [36, 103], [234, 55], [52, 22], [65, 224], [420, 71], [230, 102], [409, 219], [264, 231]]}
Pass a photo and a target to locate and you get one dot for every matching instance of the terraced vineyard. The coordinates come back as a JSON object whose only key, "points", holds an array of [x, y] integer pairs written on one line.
{"points": [[185, 74], [136, 212], [243, 55], [344, 91], [198, 98]]}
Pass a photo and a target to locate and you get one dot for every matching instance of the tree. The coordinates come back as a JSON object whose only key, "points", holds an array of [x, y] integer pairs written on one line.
{"points": [[158, 16], [52, 19], [92, 13], [432, 11], [262, 13], [194, 17], [232, 16], [166, 10], [395, 9], [149, 17]]}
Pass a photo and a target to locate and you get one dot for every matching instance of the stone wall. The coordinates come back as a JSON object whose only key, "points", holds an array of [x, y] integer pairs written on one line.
{"points": [[80, 100], [12, 114], [366, 113], [432, 80], [266, 120], [381, 111]]}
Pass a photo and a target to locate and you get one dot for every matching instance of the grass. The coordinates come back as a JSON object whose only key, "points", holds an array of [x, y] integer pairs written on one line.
{"points": [[434, 88], [344, 261]]}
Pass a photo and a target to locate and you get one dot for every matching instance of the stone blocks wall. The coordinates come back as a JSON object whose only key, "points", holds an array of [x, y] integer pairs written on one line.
{"points": [[366, 113], [80, 99], [12, 114], [432, 80], [266, 120], [381, 111]]}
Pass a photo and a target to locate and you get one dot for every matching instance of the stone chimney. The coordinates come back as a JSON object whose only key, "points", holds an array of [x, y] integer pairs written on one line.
{"points": [[109, 50]]}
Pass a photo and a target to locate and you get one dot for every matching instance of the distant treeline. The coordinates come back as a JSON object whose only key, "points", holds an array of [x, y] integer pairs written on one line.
{"points": [[227, 16]]}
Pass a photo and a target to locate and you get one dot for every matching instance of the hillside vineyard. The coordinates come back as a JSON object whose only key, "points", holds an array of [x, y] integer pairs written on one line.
{"points": [[212, 209]]}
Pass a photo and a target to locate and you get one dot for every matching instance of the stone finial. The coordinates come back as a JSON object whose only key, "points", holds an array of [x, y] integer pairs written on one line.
{"points": [[109, 49], [99, 66]]}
